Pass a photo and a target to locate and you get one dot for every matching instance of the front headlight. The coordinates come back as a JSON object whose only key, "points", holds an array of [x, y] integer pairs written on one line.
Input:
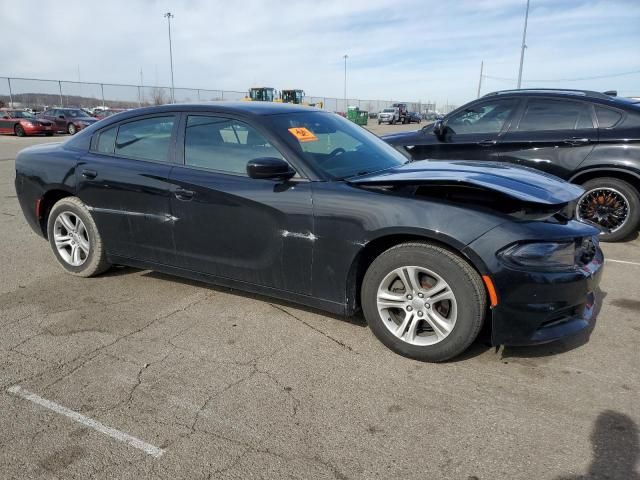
{"points": [[27, 123], [84, 124], [542, 255]]}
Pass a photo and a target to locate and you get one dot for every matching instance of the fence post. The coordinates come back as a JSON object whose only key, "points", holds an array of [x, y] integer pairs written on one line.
{"points": [[10, 94], [139, 97], [102, 92], [221, 94], [198, 95], [60, 90]]}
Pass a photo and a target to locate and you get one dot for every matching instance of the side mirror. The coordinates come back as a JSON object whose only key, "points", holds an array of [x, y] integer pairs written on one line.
{"points": [[6, 117], [438, 128], [269, 168], [61, 117]]}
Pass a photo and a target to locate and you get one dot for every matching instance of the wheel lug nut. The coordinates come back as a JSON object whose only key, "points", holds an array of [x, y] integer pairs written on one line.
{"points": [[427, 305], [409, 297], [420, 314], [420, 295], [409, 308]]}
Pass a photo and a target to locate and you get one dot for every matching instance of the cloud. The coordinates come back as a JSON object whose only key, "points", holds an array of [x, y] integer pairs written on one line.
{"points": [[410, 49]]}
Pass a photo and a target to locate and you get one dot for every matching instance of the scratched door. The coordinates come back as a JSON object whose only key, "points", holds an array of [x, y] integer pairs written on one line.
{"points": [[236, 227]]}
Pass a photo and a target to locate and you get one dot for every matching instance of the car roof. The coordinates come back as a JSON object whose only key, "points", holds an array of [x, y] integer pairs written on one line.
{"points": [[247, 108], [607, 97]]}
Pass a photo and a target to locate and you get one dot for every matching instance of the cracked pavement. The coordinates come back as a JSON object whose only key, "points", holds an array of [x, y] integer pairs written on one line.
{"points": [[233, 385]]}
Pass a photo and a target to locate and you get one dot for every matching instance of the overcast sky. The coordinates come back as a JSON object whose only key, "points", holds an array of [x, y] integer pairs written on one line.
{"points": [[409, 49]]}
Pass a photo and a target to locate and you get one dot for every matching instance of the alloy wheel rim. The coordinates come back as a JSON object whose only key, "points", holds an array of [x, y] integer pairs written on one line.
{"points": [[71, 239], [605, 206], [417, 305]]}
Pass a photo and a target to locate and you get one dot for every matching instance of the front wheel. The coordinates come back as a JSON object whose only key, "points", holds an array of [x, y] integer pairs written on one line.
{"points": [[423, 301], [611, 203], [71, 129], [19, 131], [75, 239]]}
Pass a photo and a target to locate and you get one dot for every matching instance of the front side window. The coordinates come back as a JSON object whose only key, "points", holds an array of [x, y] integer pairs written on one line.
{"points": [[147, 139], [335, 145], [555, 115], [488, 117], [223, 144]]}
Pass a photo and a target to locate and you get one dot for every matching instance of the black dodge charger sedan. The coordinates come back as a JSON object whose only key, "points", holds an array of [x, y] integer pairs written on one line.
{"points": [[588, 138], [301, 204]]}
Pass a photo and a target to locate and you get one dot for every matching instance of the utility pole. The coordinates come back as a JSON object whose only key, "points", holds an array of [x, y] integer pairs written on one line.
{"points": [[480, 81], [524, 45], [346, 108], [169, 16]]}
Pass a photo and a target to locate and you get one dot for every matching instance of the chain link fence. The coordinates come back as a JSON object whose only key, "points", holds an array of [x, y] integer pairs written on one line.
{"points": [[40, 94]]}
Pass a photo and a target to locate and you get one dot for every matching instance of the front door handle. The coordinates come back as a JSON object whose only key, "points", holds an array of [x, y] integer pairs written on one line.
{"points": [[487, 143], [184, 195], [89, 174], [576, 141]]}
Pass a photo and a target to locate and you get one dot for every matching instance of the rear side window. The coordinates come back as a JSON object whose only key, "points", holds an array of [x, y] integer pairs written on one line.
{"points": [[147, 139], [106, 141], [223, 144], [555, 115], [606, 117]]}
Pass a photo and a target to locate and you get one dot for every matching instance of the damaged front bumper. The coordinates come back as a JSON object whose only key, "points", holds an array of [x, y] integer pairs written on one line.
{"points": [[540, 307]]}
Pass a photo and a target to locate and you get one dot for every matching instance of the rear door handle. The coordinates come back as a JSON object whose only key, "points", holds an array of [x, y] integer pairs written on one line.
{"points": [[487, 143], [89, 174], [576, 141], [184, 195]]}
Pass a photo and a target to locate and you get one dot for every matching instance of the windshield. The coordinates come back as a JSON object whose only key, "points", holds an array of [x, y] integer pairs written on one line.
{"points": [[388, 110], [338, 147], [76, 113], [21, 114]]}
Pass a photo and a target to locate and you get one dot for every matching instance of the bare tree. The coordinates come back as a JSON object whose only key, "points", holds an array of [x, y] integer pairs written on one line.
{"points": [[158, 96]]}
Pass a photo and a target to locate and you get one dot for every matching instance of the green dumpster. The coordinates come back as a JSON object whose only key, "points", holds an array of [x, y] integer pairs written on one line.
{"points": [[357, 116]]}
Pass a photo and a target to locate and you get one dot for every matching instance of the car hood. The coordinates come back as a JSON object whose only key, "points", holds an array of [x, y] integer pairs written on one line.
{"points": [[85, 119], [522, 183]]}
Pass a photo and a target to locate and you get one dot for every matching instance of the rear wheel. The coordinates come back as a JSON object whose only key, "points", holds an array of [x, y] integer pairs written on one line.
{"points": [[19, 130], [71, 129], [75, 239], [611, 203], [423, 301]]}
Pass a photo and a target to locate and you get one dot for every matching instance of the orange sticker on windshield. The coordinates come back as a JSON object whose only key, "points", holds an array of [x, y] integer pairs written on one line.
{"points": [[303, 135]]}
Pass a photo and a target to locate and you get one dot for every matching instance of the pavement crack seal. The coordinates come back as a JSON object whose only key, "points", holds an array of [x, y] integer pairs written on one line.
{"points": [[335, 340], [147, 448]]}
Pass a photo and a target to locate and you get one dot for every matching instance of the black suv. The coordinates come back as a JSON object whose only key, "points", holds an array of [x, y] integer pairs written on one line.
{"points": [[588, 138]]}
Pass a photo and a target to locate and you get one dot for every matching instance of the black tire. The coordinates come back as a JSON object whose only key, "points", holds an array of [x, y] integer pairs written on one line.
{"points": [[71, 129], [379, 122], [463, 280], [632, 196], [19, 130], [96, 261], [393, 122]]}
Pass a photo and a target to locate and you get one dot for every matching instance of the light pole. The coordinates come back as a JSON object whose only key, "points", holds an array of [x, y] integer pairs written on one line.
{"points": [[345, 84], [524, 45], [169, 16]]}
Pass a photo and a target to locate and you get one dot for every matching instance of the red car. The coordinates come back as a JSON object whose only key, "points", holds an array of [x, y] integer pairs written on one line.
{"points": [[21, 123], [68, 120]]}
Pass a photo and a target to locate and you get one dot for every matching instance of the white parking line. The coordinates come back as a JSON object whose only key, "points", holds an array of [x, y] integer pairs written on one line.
{"points": [[88, 422], [621, 261]]}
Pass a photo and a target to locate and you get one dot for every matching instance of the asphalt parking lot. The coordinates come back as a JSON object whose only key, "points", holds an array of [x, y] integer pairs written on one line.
{"points": [[214, 383]]}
